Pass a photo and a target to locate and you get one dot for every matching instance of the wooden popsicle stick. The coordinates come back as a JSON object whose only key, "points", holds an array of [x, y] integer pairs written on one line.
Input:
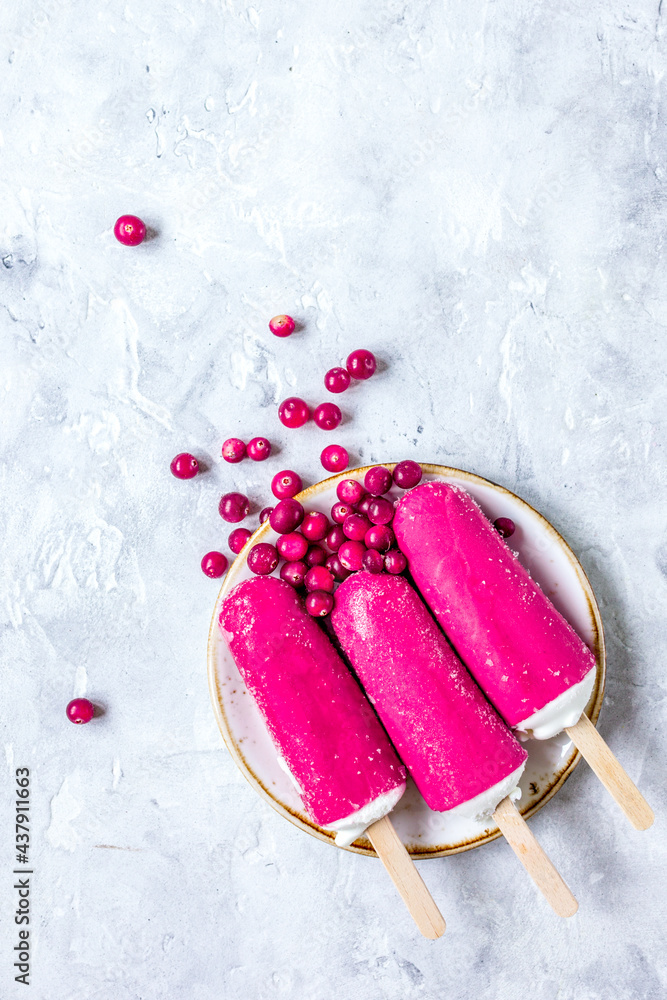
{"points": [[403, 873], [593, 749], [533, 858]]}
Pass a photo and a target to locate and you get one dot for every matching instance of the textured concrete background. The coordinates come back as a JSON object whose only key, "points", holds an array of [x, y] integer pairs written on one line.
{"points": [[476, 192]]}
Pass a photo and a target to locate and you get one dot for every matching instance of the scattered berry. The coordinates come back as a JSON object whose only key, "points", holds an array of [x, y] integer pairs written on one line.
{"points": [[233, 450], [340, 511], [259, 449], [286, 484], [315, 526], [349, 491], [282, 326], [351, 554], [294, 573], [233, 507], [337, 380], [319, 578], [394, 561], [184, 466], [334, 458], [286, 516], [336, 537], [355, 526], [361, 364], [381, 510], [336, 568], [293, 412], [319, 603], [407, 474], [263, 559], [214, 564], [373, 561], [316, 555], [327, 416], [378, 480], [265, 514], [129, 230], [292, 546], [504, 526], [238, 538], [80, 711], [380, 537]]}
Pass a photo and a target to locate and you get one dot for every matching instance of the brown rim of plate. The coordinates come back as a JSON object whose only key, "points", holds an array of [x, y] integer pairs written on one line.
{"points": [[302, 821]]}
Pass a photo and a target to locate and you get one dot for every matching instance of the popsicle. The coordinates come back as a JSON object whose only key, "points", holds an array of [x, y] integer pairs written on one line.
{"points": [[462, 756], [525, 656], [327, 735]]}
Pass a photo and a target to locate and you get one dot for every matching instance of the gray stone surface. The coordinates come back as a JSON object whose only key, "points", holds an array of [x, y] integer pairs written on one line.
{"points": [[477, 193]]}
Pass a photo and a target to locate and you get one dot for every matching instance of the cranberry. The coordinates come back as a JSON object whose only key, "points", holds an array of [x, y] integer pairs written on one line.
{"points": [[293, 412], [282, 326], [336, 537], [233, 507], [238, 538], [319, 603], [316, 555], [129, 230], [293, 573], [327, 416], [361, 364], [286, 484], [378, 480], [351, 555], [340, 511], [184, 466], [380, 537], [80, 711], [319, 578], [364, 504], [315, 525], [373, 561], [355, 526], [259, 449], [337, 380], [381, 510], [263, 559], [233, 450], [336, 568], [286, 516], [349, 491], [394, 561], [334, 458], [214, 564], [265, 514], [407, 474], [504, 526], [292, 546]]}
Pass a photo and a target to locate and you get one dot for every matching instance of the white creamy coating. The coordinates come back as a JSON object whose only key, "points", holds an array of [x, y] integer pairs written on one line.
{"points": [[556, 715], [482, 805]]}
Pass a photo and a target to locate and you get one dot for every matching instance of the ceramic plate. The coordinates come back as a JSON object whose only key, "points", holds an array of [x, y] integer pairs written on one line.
{"points": [[424, 832]]}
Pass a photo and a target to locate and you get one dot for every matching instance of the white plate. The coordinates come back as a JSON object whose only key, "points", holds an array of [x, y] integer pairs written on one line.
{"points": [[424, 832]]}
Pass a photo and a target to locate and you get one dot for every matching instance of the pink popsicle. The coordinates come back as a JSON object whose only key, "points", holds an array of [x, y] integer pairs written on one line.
{"points": [[520, 649], [317, 715], [453, 742]]}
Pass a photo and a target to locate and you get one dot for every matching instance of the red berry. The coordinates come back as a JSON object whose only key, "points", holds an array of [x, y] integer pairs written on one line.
{"points": [[129, 230], [293, 573], [259, 449], [263, 559], [214, 564], [364, 504], [355, 526], [233, 450], [407, 474], [316, 555], [378, 480], [361, 364], [319, 603], [319, 578], [80, 711], [233, 507], [238, 538], [381, 511], [334, 458], [286, 484], [394, 561], [380, 537], [340, 511], [336, 568], [282, 326], [315, 525], [293, 412], [505, 526], [373, 561], [265, 514], [292, 546], [286, 516], [349, 491], [336, 537], [184, 466], [351, 555], [337, 380], [327, 416]]}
